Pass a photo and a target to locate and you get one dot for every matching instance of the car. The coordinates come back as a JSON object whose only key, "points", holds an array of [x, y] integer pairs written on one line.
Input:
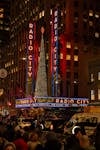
{"points": [[87, 120]]}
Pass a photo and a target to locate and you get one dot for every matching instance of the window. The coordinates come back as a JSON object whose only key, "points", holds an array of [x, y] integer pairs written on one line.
{"points": [[90, 23], [98, 94], [61, 56], [90, 13], [96, 15], [98, 75], [92, 95], [68, 45], [42, 13], [1, 15], [75, 57], [92, 77], [68, 57], [96, 34]]}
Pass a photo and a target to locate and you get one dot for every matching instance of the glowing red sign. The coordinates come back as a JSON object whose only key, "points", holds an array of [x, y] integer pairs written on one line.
{"points": [[30, 50]]}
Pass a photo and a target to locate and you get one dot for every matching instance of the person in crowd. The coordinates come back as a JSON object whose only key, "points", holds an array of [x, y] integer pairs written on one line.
{"points": [[19, 141], [9, 146], [33, 141], [2, 142], [52, 143], [73, 141], [97, 137], [85, 143]]}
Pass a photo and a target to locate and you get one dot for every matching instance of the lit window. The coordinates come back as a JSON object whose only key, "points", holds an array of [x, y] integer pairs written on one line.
{"points": [[12, 71], [96, 34], [1, 10], [96, 15], [75, 57], [61, 56], [12, 62], [50, 11], [92, 77], [98, 75], [68, 45], [90, 13], [62, 24], [75, 47], [16, 69], [43, 13], [68, 57], [1, 22], [6, 28], [90, 23], [40, 15], [92, 95], [47, 56], [1, 15], [61, 13], [98, 94]]}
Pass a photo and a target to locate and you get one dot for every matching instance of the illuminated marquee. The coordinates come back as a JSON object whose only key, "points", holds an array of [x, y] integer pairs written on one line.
{"points": [[30, 50], [51, 102]]}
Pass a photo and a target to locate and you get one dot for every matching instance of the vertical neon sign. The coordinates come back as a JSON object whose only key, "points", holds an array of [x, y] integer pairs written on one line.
{"points": [[30, 59], [54, 52]]}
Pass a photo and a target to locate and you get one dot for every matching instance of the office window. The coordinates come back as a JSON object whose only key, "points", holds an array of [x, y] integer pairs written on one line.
{"points": [[68, 45], [90, 13], [92, 77], [97, 34], [61, 56], [92, 95], [68, 57], [75, 57], [90, 23], [1, 9], [42, 13], [98, 75], [1, 15], [98, 94], [96, 15]]}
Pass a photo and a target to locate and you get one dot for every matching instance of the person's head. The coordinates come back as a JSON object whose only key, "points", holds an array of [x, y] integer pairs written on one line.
{"points": [[34, 136], [77, 132], [9, 146], [84, 141]]}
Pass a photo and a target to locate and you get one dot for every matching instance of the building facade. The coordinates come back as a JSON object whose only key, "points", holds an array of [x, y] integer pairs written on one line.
{"points": [[4, 48], [77, 30]]}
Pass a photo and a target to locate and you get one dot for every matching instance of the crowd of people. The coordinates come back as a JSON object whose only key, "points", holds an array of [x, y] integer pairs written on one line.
{"points": [[13, 137]]}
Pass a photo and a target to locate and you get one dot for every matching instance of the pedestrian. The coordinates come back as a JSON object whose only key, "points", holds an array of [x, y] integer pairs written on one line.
{"points": [[9, 146], [97, 137]]}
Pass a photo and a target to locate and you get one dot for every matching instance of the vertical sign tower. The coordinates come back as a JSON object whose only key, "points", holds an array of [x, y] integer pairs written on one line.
{"points": [[30, 60], [54, 52]]}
